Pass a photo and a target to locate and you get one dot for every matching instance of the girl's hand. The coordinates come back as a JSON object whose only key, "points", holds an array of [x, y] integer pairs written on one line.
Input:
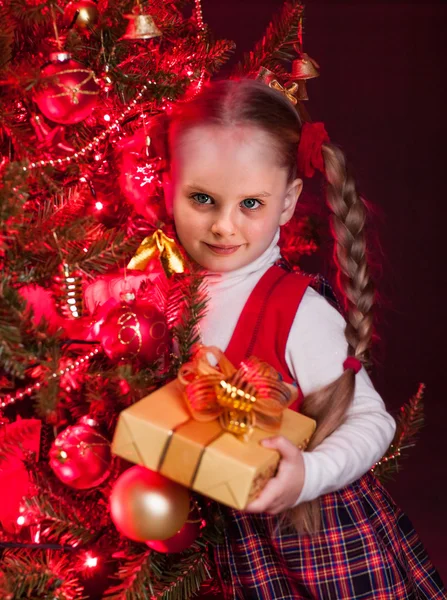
{"points": [[283, 490]]}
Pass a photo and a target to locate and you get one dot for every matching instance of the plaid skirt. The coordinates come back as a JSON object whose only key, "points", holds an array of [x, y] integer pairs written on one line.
{"points": [[366, 549]]}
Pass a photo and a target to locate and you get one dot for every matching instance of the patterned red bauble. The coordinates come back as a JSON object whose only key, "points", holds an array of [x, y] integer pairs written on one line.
{"points": [[144, 505], [183, 539], [81, 457], [135, 329], [67, 91]]}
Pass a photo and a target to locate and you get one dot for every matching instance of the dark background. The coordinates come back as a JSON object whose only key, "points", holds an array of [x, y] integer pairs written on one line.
{"points": [[381, 94]]}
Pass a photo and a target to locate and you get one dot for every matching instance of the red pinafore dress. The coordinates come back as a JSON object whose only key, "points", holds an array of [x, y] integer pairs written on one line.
{"points": [[366, 549]]}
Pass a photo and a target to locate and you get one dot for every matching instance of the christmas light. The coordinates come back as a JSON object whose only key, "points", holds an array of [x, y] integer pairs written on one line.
{"points": [[36, 536], [199, 15], [21, 520], [90, 561], [99, 205]]}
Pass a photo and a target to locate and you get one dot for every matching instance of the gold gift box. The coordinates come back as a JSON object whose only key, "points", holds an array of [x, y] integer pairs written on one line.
{"points": [[159, 433]]}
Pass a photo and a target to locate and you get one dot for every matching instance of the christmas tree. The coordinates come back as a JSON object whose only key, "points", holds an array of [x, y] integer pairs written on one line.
{"points": [[84, 236]]}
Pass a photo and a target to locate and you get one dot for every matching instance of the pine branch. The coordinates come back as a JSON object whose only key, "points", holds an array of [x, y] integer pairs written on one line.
{"points": [[67, 517], [277, 44], [185, 580], [186, 307], [59, 212], [59, 523], [15, 319], [38, 575], [13, 194], [6, 37], [111, 249], [408, 425], [135, 576], [14, 438], [151, 575]]}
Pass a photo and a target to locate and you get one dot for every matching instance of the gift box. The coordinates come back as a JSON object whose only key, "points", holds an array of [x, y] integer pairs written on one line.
{"points": [[192, 444]]}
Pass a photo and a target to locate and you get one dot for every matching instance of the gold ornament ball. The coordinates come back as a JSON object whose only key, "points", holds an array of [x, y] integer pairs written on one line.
{"points": [[144, 505], [81, 14]]}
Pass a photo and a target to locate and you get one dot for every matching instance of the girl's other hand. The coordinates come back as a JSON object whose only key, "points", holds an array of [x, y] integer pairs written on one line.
{"points": [[283, 490]]}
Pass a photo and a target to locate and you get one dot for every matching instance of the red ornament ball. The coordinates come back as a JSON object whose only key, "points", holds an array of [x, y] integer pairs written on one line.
{"points": [[183, 539], [67, 91], [144, 505], [135, 330], [81, 457]]}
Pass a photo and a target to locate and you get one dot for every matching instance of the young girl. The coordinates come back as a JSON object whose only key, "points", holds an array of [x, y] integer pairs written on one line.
{"points": [[239, 152]]}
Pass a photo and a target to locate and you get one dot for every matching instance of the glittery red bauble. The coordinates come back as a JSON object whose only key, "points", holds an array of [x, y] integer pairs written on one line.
{"points": [[144, 505], [67, 91], [183, 539], [81, 457], [135, 330]]}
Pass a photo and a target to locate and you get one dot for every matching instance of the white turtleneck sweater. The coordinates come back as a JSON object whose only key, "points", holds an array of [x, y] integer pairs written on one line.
{"points": [[315, 351]]}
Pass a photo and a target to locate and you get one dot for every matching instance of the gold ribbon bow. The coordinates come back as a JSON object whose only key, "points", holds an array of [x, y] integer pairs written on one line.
{"points": [[289, 91], [158, 244], [239, 398]]}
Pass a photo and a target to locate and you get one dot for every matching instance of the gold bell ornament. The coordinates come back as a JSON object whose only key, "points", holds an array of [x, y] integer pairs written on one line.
{"points": [[303, 68], [141, 26]]}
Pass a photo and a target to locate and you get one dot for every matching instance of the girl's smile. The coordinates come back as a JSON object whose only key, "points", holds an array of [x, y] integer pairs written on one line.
{"points": [[230, 194], [222, 250]]}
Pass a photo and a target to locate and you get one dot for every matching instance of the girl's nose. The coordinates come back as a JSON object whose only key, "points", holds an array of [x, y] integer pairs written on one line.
{"points": [[223, 226]]}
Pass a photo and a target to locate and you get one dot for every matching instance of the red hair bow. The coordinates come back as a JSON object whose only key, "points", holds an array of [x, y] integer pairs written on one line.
{"points": [[310, 157]]}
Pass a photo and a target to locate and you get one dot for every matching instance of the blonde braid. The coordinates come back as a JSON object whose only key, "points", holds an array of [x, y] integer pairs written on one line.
{"points": [[328, 405]]}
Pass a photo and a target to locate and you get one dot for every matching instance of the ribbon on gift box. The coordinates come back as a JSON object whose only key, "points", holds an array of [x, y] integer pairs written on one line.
{"points": [[244, 398]]}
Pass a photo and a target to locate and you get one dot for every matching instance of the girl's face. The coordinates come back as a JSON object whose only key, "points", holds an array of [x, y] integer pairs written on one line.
{"points": [[229, 194]]}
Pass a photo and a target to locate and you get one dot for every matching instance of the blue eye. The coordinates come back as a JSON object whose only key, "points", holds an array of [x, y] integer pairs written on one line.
{"points": [[201, 198], [250, 203]]}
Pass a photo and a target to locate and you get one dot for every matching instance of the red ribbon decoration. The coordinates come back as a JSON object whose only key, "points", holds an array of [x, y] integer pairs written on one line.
{"points": [[352, 363], [310, 157]]}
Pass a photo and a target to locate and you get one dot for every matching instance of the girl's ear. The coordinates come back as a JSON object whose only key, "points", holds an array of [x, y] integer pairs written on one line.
{"points": [[293, 193]]}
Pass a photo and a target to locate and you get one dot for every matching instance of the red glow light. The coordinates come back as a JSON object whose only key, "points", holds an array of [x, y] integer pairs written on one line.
{"points": [[107, 118], [99, 205], [91, 561], [21, 520]]}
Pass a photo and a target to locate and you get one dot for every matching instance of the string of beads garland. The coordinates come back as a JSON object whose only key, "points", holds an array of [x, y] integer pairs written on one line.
{"points": [[91, 145], [73, 366]]}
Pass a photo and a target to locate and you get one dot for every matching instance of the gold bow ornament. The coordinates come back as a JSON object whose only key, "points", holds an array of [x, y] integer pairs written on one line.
{"points": [[270, 78], [158, 245], [203, 430], [289, 91]]}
